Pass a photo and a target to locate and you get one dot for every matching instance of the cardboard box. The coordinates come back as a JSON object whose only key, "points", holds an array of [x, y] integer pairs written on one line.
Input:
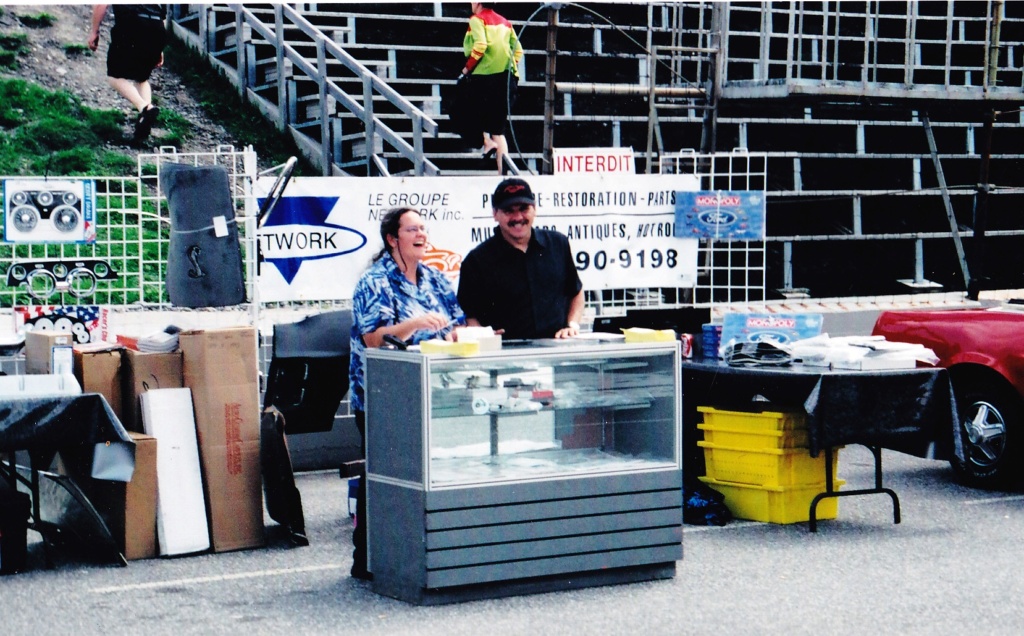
{"points": [[98, 370], [140, 502], [45, 351], [142, 372], [220, 367]]}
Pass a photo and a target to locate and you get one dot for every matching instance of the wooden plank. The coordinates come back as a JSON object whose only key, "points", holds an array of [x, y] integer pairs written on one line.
{"points": [[546, 567], [530, 530], [594, 544], [554, 509]]}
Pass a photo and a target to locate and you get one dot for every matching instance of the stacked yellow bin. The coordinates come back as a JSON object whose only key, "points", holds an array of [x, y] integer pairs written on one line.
{"points": [[760, 462]]}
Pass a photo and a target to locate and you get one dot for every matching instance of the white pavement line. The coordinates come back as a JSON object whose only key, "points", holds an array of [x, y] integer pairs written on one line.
{"points": [[212, 579], [975, 502], [732, 525]]}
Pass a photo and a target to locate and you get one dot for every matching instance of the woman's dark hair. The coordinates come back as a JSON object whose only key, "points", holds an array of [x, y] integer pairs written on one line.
{"points": [[389, 225]]}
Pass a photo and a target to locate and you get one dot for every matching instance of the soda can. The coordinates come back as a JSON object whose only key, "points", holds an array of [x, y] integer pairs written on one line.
{"points": [[686, 345]]}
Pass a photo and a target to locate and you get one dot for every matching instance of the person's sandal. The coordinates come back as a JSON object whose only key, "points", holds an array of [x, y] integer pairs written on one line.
{"points": [[144, 124]]}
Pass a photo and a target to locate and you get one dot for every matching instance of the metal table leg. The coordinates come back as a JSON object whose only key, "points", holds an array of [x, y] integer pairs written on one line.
{"points": [[830, 491], [52, 533]]}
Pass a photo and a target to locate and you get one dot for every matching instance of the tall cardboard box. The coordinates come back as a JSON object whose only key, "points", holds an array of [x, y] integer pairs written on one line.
{"points": [[220, 367], [142, 372], [140, 501], [98, 370], [45, 350]]}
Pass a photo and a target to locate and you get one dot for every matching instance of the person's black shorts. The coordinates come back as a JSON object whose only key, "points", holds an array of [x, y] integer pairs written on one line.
{"points": [[135, 48]]}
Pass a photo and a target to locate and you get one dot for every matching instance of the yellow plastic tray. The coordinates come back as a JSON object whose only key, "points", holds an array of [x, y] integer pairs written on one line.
{"points": [[737, 437], [766, 467], [754, 421], [776, 505]]}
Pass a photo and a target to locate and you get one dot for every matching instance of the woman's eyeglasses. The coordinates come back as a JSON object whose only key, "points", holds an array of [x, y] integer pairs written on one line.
{"points": [[415, 229]]}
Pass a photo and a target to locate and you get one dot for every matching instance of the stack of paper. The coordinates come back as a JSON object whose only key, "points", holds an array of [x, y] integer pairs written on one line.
{"points": [[861, 352], [160, 342]]}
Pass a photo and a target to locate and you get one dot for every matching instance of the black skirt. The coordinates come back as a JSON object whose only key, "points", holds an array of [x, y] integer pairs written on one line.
{"points": [[481, 104]]}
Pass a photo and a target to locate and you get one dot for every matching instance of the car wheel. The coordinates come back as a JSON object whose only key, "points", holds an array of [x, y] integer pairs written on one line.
{"points": [[990, 429]]}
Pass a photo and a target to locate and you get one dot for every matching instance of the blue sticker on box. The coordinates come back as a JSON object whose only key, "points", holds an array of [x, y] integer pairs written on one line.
{"points": [[727, 215], [781, 328]]}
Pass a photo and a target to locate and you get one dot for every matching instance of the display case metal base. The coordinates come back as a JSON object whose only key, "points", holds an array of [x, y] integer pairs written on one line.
{"points": [[536, 585]]}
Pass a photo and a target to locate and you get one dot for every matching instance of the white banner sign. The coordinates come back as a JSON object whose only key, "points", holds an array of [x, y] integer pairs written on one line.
{"points": [[324, 232]]}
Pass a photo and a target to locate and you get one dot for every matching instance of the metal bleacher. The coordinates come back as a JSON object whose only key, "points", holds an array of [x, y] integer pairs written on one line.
{"points": [[876, 118]]}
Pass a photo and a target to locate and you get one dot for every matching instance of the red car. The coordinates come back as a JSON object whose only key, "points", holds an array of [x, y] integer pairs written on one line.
{"points": [[984, 352]]}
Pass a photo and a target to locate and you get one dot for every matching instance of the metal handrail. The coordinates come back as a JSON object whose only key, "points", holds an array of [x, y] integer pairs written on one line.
{"points": [[327, 50]]}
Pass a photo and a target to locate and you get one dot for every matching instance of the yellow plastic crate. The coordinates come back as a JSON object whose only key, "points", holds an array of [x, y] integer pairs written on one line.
{"points": [[744, 438], [767, 466], [754, 421], [776, 504]]}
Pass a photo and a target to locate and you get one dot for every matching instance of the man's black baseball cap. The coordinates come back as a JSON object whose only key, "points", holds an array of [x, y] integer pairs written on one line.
{"points": [[510, 192]]}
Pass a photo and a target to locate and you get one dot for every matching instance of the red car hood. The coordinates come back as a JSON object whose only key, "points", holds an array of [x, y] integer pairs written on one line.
{"points": [[989, 337]]}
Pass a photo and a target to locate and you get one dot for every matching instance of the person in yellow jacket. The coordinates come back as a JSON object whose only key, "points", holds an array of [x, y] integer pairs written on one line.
{"points": [[492, 53]]}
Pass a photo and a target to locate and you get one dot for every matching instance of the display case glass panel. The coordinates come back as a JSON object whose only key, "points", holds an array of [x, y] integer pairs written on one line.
{"points": [[542, 416]]}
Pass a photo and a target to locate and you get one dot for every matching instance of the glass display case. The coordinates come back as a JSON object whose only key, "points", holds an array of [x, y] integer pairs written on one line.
{"points": [[526, 462]]}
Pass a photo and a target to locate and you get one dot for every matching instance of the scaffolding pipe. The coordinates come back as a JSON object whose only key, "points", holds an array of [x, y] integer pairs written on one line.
{"points": [[582, 88], [993, 45], [953, 228], [549, 91]]}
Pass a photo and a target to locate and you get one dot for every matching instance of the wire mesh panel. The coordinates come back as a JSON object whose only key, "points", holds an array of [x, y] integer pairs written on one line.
{"points": [[122, 266], [728, 271]]}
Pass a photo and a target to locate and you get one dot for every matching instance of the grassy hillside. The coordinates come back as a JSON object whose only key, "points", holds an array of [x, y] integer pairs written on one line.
{"points": [[48, 130]]}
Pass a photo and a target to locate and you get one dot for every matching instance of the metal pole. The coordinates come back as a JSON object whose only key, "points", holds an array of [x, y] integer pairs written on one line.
{"points": [[945, 199], [549, 92], [993, 45], [709, 129], [981, 208]]}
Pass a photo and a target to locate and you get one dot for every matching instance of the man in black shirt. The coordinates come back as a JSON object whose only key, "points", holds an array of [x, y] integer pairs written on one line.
{"points": [[522, 280]]}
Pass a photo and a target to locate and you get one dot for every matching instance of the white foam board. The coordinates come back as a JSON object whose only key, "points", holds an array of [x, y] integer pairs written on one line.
{"points": [[180, 506], [42, 385]]}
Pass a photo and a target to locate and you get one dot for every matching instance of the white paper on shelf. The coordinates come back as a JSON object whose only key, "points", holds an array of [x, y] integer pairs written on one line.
{"points": [[180, 508]]}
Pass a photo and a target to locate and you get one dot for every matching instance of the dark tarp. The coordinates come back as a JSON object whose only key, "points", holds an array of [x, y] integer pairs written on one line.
{"points": [[308, 375], [44, 425]]}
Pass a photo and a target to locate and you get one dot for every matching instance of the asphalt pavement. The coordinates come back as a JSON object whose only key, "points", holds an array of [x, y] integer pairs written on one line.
{"points": [[952, 566]]}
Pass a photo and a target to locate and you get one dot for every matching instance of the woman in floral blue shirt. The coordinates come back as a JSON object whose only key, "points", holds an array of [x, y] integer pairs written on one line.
{"points": [[399, 296]]}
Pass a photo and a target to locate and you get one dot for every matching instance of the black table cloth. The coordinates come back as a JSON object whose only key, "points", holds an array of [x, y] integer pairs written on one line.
{"points": [[45, 425], [906, 410]]}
